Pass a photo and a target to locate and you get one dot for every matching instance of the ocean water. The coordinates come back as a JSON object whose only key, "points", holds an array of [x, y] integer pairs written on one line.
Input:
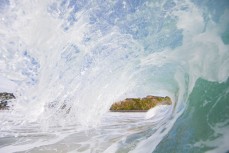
{"points": [[67, 61]]}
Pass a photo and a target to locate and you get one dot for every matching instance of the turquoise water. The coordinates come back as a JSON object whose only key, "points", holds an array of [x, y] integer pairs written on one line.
{"points": [[203, 125], [68, 61]]}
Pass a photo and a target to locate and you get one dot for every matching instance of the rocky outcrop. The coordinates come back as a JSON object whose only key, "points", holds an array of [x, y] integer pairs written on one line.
{"points": [[4, 99], [140, 104]]}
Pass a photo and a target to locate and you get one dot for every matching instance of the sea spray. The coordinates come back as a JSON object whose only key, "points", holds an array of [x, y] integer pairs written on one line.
{"points": [[70, 60]]}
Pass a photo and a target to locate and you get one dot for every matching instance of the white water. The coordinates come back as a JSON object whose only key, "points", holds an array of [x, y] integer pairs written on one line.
{"points": [[6, 85], [70, 61]]}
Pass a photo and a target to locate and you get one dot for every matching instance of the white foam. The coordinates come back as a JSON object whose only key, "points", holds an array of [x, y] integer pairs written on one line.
{"points": [[7, 85], [158, 112]]}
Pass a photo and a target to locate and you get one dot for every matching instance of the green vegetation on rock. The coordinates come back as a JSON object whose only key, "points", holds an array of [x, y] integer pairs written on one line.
{"points": [[140, 104]]}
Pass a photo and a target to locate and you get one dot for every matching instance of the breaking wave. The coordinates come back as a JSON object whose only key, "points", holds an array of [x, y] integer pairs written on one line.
{"points": [[70, 60]]}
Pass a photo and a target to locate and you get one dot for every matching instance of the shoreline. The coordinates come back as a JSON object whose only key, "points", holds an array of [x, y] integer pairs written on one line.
{"points": [[129, 111]]}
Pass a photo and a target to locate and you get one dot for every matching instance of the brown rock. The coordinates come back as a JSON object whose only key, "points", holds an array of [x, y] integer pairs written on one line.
{"points": [[140, 104]]}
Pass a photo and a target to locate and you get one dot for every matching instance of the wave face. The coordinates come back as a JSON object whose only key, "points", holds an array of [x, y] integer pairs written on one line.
{"points": [[70, 60]]}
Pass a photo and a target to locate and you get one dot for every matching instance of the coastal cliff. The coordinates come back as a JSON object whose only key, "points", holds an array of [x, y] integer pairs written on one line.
{"points": [[4, 99], [139, 104]]}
